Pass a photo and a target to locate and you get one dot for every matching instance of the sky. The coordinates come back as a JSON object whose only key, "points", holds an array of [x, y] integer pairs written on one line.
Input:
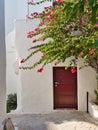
{"points": [[18, 9]]}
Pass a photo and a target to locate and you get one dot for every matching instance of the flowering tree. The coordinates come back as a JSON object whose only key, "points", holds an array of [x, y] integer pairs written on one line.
{"points": [[73, 29]]}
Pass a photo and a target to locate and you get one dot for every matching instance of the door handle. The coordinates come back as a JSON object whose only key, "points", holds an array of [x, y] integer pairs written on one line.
{"points": [[56, 83]]}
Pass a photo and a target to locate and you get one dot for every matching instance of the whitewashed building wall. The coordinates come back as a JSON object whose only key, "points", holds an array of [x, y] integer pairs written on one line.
{"points": [[36, 89], [15, 9]]}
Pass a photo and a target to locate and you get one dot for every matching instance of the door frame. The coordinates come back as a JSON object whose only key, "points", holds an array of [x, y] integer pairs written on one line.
{"points": [[54, 91]]}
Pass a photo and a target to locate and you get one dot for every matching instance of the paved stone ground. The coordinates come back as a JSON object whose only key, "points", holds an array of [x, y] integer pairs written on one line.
{"points": [[57, 120]]}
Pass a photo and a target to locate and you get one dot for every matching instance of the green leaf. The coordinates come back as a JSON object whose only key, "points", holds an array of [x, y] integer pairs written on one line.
{"points": [[92, 3], [94, 11], [96, 43], [68, 10], [81, 6], [75, 10]]}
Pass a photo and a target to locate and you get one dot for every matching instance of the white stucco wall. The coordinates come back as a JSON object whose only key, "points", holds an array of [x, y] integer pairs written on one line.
{"points": [[36, 95], [15, 10], [11, 78], [86, 83], [29, 89]]}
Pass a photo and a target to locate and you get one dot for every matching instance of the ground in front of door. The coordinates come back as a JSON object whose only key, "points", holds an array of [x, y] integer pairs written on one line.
{"points": [[57, 120]]}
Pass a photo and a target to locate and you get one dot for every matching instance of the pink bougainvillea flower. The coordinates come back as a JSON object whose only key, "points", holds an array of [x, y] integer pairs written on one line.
{"points": [[35, 13], [41, 23], [97, 25], [40, 69], [73, 70], [54, 3], [50, 6], [48, 19], [92, 51], [56, 63], [46, 13], [47, 7], [22, 61], [52, 12], [59, 1], [34, 41], [36, 29], [54, 17], [30, 34]]}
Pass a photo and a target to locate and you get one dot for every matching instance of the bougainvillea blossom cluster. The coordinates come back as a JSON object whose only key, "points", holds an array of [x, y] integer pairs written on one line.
{"points": [[30, 34], [73, 70], [73, 28]]}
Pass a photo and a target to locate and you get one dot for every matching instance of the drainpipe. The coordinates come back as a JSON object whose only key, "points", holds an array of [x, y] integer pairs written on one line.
{"points": [[87, 97]]}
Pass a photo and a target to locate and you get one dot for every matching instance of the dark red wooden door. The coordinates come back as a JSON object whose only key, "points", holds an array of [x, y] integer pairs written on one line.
{"points": [[65, 88]]}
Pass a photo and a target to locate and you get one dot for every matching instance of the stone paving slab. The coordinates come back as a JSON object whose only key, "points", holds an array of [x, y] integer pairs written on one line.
{"points": [[57, 120]]}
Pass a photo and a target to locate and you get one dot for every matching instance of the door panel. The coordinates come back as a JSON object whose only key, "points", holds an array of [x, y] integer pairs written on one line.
{"points": [[65, 88]]}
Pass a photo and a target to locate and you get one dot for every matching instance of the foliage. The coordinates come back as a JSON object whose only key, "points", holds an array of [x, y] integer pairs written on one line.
{"points": [[11, 102], [73, 29], [96, 93]]}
